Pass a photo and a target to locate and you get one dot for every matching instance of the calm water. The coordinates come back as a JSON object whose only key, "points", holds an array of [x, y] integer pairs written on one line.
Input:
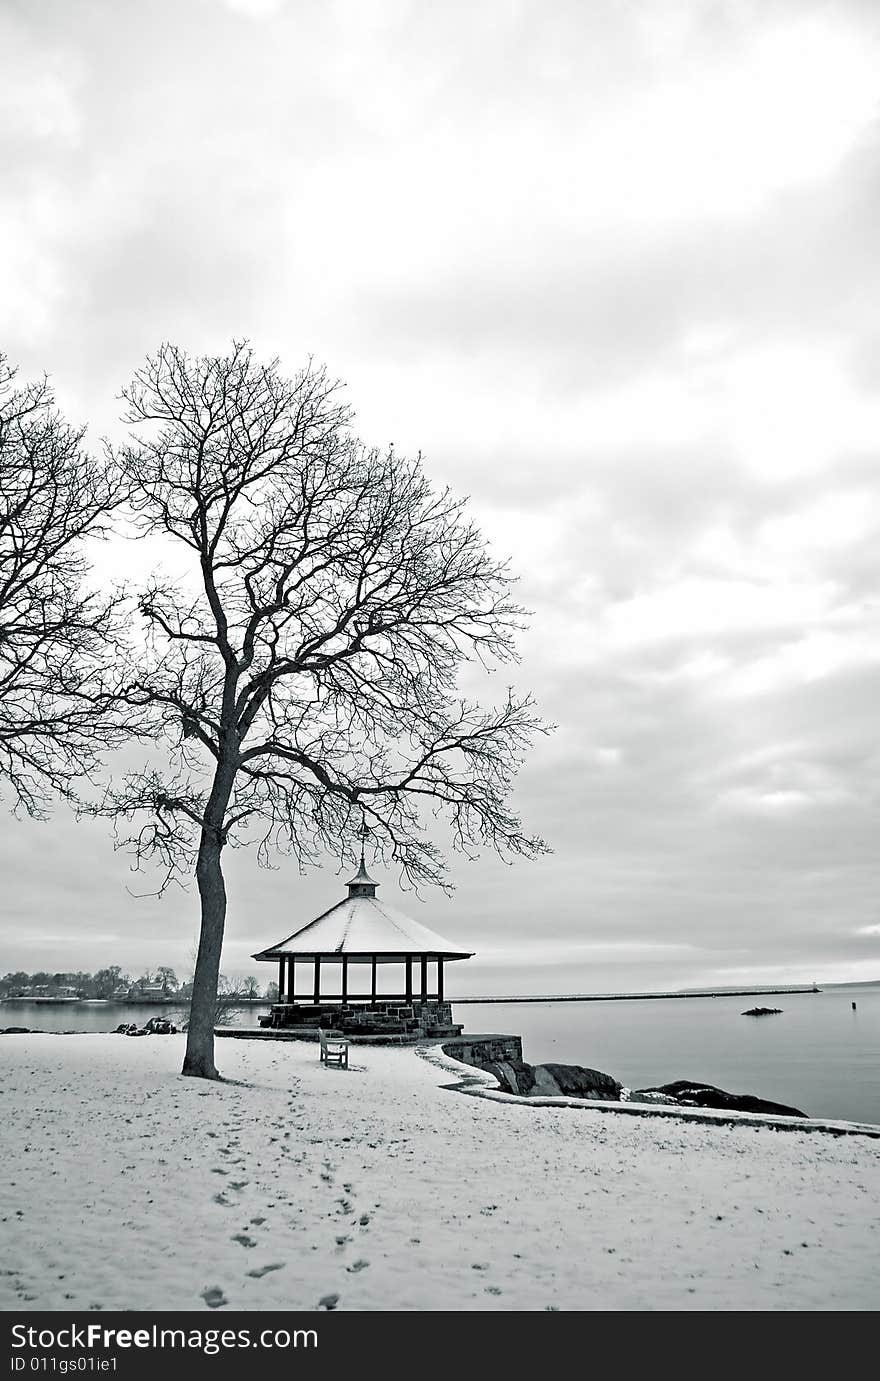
{"points": [[819, 1056], [102, 1016]]}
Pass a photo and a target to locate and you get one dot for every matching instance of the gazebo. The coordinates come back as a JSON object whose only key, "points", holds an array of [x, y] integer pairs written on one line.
{"points": [[361, 930]]}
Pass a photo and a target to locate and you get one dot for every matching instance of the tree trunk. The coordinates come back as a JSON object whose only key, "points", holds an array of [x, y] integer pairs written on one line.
{"points": [[199, 1059]]}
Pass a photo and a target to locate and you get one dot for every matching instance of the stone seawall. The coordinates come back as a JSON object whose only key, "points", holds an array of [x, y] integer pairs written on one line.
{"points": [[483, 1051]]}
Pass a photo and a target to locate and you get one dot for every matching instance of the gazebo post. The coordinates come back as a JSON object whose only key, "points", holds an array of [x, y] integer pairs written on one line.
{"points": [[424, 978], [408, 981], [281, 980], [373, 981], [345, 980], [439, 980], [291, 979], [317, 981]]}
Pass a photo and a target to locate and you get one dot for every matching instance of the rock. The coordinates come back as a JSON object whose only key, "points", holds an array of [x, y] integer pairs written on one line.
{"points": [[156, 1026], [688, 1093], [763, 1012], [575, 1081], [554, 1081], [160, 1026], [16, 1031], [513, 1078], [645, 1095]]}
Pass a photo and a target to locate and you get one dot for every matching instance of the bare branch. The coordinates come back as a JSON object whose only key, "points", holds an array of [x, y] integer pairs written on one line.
{"points": [[58, 639]]}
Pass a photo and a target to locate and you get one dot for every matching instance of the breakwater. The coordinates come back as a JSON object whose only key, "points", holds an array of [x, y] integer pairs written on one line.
{"points": [[642, 997]]}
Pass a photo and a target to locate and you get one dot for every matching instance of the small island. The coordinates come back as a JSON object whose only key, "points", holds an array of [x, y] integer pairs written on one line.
{"points": [[763, 1012]]}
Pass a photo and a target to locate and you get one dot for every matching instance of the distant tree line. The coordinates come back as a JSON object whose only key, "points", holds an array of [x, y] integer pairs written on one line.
{"points": [[112, 983]]}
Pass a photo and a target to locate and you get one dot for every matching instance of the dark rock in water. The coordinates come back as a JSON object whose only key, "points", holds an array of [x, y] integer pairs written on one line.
{"points": [[689, 1094], [763, 1012], [16, 1031], [554, 1081]]}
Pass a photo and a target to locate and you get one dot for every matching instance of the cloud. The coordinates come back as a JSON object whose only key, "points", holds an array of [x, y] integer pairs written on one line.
{"points": [[613, 269]]}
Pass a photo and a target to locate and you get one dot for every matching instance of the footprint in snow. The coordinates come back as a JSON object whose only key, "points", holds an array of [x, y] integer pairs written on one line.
{"points": [[244, 1239], [214, 1297], [357, 1266], [261, 1271]]}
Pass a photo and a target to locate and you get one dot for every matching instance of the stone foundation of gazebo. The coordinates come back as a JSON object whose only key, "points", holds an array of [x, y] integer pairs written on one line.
{"points": [[415, 1020]]}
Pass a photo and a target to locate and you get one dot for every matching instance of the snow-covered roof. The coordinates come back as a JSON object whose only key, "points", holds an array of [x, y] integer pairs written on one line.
{"points": [[362, 926]]}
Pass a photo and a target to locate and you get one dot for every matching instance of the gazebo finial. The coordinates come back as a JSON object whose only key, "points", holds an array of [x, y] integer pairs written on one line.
{"points": [[364, 833], [362, 885]]}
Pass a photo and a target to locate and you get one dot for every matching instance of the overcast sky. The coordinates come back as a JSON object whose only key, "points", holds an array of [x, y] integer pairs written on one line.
{"points": [[613, 268]]}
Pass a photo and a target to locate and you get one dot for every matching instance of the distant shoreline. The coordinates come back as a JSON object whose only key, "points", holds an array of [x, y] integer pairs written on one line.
{"points": [[791, 990]]}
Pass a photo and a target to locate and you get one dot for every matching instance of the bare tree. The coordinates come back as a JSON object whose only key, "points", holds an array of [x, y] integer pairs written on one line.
{"points": [[306, 678], [55, 635], [232, 996]]}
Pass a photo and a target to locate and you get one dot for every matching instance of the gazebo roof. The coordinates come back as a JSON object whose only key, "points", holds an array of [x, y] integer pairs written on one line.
{"points": [[363, 927]]}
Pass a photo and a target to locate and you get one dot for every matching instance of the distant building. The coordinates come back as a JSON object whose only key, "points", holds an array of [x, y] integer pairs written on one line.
{"points": [[147, 992]]}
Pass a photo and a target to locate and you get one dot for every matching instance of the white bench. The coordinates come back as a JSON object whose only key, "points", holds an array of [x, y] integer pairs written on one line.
{"points": [[334, 1050]]}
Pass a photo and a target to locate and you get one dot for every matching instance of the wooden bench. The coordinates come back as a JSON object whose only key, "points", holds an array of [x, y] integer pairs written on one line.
{"points": [[334, 1050]]}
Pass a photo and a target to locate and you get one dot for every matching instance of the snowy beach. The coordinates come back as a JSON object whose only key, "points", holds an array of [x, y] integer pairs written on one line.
{"points": [[125, 1186]]}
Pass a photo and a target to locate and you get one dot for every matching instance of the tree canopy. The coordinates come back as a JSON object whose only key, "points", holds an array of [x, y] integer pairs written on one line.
{"points": [[311, 671]]}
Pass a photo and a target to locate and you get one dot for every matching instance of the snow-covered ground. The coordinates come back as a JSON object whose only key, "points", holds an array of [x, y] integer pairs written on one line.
{"points": [[124, 1186]]}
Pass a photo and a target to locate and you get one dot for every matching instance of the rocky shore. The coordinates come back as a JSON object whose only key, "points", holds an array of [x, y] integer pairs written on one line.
{"points": [[501, 1056]]}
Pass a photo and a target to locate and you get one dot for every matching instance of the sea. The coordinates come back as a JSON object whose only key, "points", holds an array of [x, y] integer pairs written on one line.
{"points": [[819, 1055]]}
